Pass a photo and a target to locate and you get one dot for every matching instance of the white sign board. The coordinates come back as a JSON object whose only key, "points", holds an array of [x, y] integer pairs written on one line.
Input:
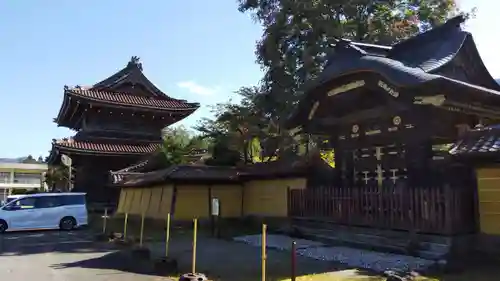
{"points": [[66, 160], [215, 206]]}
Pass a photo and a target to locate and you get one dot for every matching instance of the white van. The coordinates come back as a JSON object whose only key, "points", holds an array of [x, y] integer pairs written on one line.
{"points": [[64, 211]]}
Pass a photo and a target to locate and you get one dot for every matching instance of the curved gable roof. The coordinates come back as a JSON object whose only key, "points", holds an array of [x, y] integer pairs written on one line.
{"points": [[444, 56], [430, 52], [132, 73]]}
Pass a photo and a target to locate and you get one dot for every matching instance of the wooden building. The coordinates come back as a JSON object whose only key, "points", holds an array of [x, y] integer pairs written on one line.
{"points": [[185, 191], [480, 148], [386, 111], [118, 121]]}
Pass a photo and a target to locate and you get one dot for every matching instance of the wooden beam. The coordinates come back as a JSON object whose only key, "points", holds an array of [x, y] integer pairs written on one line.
{"points": [[373, 113]]}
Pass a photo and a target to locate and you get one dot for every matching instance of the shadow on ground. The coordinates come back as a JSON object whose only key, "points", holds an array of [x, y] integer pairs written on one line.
{"points": [[117, 260], [37, 242], [224, 270]]}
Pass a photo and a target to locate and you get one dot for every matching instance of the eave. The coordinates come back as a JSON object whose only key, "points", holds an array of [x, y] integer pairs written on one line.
{"points": [[75, 99], [125, 100], [70, 146]]}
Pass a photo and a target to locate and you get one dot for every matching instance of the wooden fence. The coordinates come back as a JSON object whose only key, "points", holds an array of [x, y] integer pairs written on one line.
{"points": [[437, 210]]}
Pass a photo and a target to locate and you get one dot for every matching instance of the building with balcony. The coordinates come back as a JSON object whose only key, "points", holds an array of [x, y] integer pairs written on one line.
{"points": [[26, 176]]}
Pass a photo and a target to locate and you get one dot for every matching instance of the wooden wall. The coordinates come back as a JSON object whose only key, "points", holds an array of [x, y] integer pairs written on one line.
{"points": [[488, 185], [269, 198], [155, 202], [259, 198], [447, 210]]}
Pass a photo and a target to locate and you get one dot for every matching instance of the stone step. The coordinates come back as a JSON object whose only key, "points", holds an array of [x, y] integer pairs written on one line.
{"points": [[398, 245], [392, 234]]}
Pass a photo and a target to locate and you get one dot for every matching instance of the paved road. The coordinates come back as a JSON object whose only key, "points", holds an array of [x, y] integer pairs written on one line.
{"points": [[61, 256]]}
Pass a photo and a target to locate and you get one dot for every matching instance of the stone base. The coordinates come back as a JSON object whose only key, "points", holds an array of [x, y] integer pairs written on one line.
{"points": [[124, 243], [141, 253], [487, 245], [166, 266], [102, 237], [193, 277]]}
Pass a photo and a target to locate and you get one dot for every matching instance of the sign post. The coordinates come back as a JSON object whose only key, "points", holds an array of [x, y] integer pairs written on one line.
{"points": [[125, 222], [215, 216], [195, 233], [263, 252], [167, 236], [68, 162], [104, 220], [143, 215]]}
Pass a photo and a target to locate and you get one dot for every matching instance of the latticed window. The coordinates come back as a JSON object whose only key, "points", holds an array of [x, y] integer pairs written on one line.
{"points": [[27, 178], [4, 177]]}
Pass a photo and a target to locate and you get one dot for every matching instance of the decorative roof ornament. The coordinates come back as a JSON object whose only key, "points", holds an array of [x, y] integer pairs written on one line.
{"points": [[135, 61], [345, 46], [458, 20]]}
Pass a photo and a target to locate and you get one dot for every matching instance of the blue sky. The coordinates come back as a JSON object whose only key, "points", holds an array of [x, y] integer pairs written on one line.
{"points": [[196, 50]]}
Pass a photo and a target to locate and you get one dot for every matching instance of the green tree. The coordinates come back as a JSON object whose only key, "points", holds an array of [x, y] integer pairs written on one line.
{"points": [[247, 129], [298, 36], [29, 160], [179, 144], [222, 152], [56, 176], [179, 134]]}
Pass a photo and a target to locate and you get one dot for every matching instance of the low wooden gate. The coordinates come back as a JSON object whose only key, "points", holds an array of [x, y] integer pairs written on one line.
{"points": [[438, 210]]}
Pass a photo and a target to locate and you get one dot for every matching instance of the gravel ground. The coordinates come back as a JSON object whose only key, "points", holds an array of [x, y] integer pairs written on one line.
{"points": [[356, 258], [229, 260]]}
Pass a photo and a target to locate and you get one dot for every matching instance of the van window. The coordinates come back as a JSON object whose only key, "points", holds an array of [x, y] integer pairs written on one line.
{"points": [[73, 199], [47, 202], [25, 203], [10, 199]]}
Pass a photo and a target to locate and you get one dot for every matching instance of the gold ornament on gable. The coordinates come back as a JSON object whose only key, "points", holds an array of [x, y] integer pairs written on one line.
{"points": [[355, 129], [396, 120]]}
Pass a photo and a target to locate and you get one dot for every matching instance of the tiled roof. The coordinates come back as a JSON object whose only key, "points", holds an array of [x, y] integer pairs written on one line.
{"points": [[155, 161], [178, 173], [85, 146], [417, 63], [131, 74], [479, 142], [134, 100], [291, 167], [274, 168]]}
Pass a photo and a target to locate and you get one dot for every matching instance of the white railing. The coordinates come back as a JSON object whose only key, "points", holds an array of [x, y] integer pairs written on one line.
{"points": [[27, 180], [20, 185]]}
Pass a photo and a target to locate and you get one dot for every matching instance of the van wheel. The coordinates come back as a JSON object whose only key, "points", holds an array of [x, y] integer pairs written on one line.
{"points": [[67, 223], [3, 226]]}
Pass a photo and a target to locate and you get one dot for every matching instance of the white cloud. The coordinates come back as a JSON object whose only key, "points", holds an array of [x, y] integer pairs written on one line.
{"points": [[195, 88]]}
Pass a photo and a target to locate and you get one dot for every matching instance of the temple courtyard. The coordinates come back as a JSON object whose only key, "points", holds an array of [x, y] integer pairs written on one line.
{"points": [[54, 255]]}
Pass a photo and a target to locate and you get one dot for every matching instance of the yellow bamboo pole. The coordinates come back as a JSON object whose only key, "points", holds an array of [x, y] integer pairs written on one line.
{"points": [[195, 230], [167, 237], [264, 255], [142, 229], [104, 220], [125, 223]]}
